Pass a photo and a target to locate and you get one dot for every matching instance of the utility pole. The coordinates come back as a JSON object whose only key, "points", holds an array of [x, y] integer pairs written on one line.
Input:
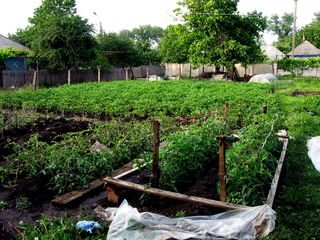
{"points": [[294, 27]]}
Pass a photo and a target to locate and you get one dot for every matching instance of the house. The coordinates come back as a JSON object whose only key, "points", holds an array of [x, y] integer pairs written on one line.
{"points": [[16, 63], [305, 50], [272, 52]]}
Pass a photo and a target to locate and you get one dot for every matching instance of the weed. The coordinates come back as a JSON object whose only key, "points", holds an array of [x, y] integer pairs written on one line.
{"points": [[23, 203]]}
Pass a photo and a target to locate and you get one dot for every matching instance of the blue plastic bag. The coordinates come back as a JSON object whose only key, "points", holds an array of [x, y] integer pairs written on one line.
{"points": [[88, 225]]}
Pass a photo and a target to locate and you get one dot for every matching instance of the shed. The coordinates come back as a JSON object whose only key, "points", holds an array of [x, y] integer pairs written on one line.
{"points": [[305, 50], [15, 63], [272, 52]]}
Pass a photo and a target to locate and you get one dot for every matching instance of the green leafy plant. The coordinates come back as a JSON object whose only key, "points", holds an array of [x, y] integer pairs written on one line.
{"points": [[23, 203]]}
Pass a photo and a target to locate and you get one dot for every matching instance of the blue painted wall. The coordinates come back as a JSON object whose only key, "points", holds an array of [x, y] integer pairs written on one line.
{"points": [[16, 64]]}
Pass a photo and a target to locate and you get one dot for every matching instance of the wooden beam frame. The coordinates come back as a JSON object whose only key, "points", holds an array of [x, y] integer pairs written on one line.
{"points": [[275, 181], [177, 196]]}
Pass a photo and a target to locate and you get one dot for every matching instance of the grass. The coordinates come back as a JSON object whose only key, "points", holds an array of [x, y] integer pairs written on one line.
{"points": [[298, 201]]}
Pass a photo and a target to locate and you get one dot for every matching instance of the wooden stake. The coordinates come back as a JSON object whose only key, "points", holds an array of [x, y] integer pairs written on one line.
{"points": [[226, 110], [155, 160], [222, 169], [265, 108]]}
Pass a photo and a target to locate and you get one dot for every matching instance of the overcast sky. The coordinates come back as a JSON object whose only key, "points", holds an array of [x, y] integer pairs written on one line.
{"points": [[116, 15]]}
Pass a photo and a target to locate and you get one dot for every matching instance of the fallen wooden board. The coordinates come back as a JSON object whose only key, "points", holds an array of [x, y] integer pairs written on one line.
{"points": [[95, 185], [275, 181], [177, 196]]}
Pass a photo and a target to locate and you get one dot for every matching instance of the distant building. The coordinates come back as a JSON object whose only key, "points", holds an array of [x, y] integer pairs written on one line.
{"points": [[305, 50], [272, 52], [16, 63]]}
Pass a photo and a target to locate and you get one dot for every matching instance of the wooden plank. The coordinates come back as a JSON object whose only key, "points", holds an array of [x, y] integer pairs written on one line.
{"points": [[173, 195], [275, 181], [95, 185]]}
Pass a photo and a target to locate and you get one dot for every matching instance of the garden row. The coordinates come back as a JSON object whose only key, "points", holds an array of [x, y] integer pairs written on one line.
{"points": [[68, 164]]}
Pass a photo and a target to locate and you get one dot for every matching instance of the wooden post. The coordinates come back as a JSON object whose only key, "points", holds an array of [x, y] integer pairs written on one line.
{"points": [[222, 169], [155, 160], [69, 77], [265, 108], [147, 73], [99, 74], [127, 77], [226, 110], [34, 81]]}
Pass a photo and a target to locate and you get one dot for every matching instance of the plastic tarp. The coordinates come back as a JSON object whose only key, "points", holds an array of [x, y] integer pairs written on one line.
{"points": [[263, 78], [314, 151], [248, 223]]}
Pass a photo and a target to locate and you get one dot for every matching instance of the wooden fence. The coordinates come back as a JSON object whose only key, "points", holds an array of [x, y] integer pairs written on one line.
{"points": [[9, 79]]}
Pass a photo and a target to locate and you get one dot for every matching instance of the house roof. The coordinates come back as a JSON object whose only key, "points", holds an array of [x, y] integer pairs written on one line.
{"points": [[306, 49], [272, 52], [7, 43]]}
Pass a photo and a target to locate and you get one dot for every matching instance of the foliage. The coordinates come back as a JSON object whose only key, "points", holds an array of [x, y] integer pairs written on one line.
{"points": [[282, 27], [146, 39], [308, 32], [63, 228], [119, 51], [290, 64], [143, 99], [69, 168], [59, 37], [10, 52], [174, 46], [3, 205], [220, 35], [22, 203]]}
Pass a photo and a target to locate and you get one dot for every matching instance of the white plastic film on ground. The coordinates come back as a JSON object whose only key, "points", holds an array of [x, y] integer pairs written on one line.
{"points": [[314, 151], [248, 223]]}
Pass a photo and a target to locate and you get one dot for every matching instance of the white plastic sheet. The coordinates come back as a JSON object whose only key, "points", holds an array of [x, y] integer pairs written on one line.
{"points": [[263, 78], [314, 151], [239, 224]]}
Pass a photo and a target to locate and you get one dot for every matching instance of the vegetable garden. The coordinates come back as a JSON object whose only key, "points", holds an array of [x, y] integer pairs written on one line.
{"points": [[192, 115]]}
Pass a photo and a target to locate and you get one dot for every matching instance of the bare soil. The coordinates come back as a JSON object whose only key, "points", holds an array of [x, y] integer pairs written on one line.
{"points": [[305, 93]]}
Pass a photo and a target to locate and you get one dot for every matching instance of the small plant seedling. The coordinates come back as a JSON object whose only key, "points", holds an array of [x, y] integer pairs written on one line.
{"points": [[181, 214], [3, 205], [22, 203]]}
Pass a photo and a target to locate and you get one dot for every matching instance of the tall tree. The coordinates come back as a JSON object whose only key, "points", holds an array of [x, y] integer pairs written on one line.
{"points": [[146, 39], [220, 35], [60, 38], [174, 46], [120, 51], [309, 32], [281, 26]]}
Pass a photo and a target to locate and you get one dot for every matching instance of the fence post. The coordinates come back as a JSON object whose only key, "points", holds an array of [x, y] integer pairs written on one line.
{"points": [[69, 77], [222, 169], [155, 160], [127, 74], [99, 74], [34, 81]]}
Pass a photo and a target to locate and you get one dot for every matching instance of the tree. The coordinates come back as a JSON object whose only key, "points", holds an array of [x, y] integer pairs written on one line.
{"points": [[309, 32], [220, 35], [281, 27], [119, 50], [59, 37], [146, 39], [174, 46]]}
